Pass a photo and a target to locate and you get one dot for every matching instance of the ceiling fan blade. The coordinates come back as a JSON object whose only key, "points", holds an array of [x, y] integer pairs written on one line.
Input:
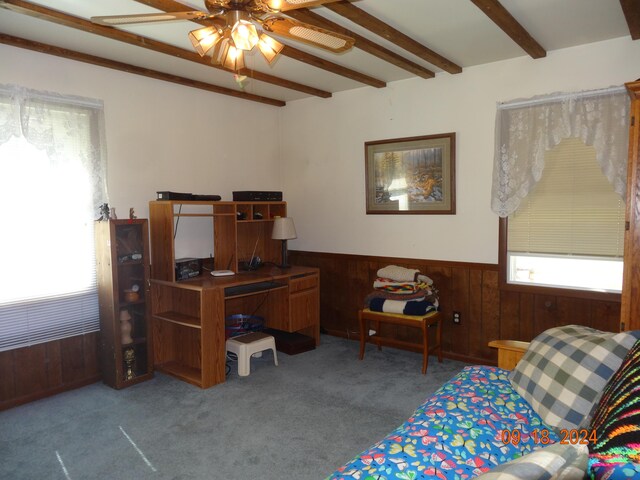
{"points": [[310, 34], [284, 5], [114, 20]]}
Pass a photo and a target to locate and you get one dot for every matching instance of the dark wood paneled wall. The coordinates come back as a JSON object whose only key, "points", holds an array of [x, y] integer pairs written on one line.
{"points": [[487, 313], [472, 289], [35, 372]]}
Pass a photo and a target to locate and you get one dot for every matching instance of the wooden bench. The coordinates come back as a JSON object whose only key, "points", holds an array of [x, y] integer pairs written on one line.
{"points": [[422, 322]]}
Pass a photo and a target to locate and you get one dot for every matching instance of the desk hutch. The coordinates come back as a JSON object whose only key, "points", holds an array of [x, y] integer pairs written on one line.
{"points": [[188, 316]]}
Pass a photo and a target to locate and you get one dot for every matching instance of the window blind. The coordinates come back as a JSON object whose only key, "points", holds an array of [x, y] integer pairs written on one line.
{"points": [[573, 210], [45, 319]]}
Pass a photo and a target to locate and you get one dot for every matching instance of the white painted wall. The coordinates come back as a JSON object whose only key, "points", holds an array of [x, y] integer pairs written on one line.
{"points": [[323, 150], [162, 136]]}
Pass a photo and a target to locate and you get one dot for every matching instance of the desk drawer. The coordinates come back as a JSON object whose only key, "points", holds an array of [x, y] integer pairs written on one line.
{"points": [[303, 283]]}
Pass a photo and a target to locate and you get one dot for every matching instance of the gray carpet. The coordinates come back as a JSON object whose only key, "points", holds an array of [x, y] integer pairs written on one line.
{"points": [[300, 420]]}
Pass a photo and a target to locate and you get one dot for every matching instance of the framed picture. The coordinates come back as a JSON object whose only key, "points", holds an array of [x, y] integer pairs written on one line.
{"points": [[414, 175]]}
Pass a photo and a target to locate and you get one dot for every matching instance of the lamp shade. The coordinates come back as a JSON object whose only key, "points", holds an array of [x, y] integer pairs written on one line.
{"points": [[204, 39], [233, 59], [244, 35], [269, 47], [284, 229]]}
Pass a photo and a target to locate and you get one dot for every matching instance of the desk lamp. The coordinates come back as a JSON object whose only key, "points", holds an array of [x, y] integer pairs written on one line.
{"points": [[284, 229]]}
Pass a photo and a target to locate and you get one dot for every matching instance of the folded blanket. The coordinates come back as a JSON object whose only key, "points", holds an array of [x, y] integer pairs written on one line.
{"points": [[395, 286], [419, 295], [402, 274], [410, 307]]}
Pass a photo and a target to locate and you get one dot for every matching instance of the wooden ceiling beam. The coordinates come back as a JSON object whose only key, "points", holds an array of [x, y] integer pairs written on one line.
{"points": [[371, 23], [631, 9], [125, 67], [309, 59], [54, 16], [364, 44], [287, 51], [509, 25]]}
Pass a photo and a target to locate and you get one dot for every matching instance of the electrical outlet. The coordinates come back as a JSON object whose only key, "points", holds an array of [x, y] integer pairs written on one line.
{"points": [[456, 318]]}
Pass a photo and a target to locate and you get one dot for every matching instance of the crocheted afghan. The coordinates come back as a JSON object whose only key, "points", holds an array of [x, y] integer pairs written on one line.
{"points": [[617, 423]]}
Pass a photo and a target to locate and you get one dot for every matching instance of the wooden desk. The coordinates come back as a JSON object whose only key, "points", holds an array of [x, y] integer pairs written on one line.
{"points": [[188, 317]]}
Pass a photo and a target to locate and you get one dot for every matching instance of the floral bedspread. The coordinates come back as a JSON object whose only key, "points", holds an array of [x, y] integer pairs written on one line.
{"points": [[472, 423]]}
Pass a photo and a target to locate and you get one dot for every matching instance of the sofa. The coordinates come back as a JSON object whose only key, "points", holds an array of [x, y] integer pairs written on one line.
{"points": [[570, 409]]}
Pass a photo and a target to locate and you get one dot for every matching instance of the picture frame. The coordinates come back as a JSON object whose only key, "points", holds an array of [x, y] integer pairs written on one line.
{"points": [[413, 175]]}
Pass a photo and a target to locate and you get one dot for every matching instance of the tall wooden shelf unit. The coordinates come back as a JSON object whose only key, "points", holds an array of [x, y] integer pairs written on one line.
{"points": [[630, 300], [122, 259], [188, 316]]}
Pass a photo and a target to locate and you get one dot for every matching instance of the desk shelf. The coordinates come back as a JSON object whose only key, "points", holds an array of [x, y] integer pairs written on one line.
{"points": [[178, 318], [188, 374], [188, 332]]}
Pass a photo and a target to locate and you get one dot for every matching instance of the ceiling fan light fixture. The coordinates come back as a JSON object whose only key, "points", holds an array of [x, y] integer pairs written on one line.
{"points": [[204, 39], [306, 33], [233, 58], [269, 47], [303, 33], [244, 35], [220, 51], [283, 5]]}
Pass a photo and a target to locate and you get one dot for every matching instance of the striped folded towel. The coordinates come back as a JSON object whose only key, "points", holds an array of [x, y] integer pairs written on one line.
{"points": [[410, 307]]}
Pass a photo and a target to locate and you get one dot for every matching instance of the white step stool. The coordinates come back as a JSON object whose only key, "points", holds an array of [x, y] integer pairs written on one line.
{"points": [[246, 345]]}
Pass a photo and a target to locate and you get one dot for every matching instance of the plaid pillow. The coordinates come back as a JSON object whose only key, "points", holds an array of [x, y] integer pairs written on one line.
{"points": [[566, 462], [565, 369]]}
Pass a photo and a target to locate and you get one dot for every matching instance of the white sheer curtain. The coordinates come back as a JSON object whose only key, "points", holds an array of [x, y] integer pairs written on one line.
{"points": [[527, 129], [52, 180], [67, 128]]}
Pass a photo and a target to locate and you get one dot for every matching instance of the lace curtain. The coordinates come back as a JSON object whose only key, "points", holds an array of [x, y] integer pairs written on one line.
{"points": [[58, 125], [526, 130]]}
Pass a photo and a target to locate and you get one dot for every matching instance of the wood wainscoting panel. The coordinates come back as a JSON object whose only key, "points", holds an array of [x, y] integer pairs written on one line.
{"points": [[30, 370], [34, 372], [487, 313], [7, 384]]}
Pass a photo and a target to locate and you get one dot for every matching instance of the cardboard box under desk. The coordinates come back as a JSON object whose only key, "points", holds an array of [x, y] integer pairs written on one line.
{"points": [[291, 343]]}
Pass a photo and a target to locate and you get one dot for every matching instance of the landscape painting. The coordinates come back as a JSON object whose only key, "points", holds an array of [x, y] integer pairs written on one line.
{"points": [[411, 175]]}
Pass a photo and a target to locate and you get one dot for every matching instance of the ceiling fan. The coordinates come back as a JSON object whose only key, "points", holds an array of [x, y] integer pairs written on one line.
{"points": [[233, 31]]}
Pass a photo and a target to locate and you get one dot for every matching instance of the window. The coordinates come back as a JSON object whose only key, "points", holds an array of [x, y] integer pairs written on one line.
{"points": [[51, 183], [559, 183], [569, 231]]}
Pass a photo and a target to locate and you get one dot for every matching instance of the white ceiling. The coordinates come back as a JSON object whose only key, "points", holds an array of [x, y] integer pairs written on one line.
{"points": [[456, 29]]}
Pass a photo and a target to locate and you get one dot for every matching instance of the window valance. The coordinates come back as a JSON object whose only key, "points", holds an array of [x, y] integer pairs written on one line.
{"points": [[59, 131], [527, 129]]}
